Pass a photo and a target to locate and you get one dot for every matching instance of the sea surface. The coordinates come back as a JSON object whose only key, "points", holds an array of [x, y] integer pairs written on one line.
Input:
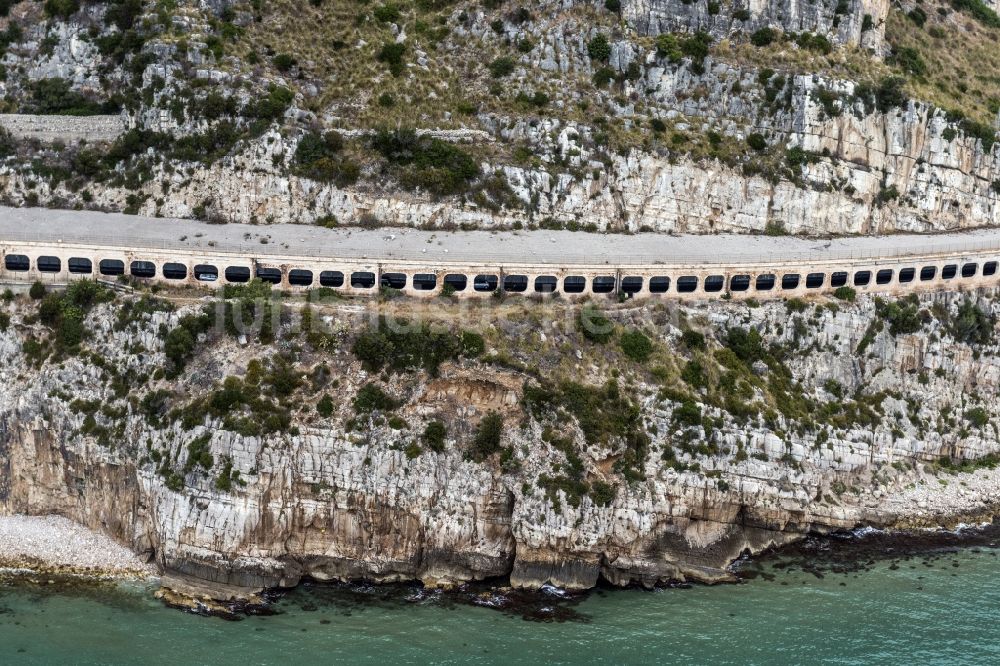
{"points": [[884, 603]]}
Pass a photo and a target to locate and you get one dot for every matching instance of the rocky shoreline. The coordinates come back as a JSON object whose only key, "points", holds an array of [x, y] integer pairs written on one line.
{"points": [[54, 546], [58, 546]]}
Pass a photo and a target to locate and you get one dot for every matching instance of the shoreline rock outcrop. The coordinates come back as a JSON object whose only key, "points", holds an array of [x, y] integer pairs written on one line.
{"points": [[359, 496]]}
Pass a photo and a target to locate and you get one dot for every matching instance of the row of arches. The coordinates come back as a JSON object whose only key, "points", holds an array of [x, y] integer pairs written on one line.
{"points": [[489, 282]]}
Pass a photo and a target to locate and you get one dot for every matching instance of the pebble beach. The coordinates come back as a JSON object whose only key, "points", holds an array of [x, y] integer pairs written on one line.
{"points": [[54, 544]]}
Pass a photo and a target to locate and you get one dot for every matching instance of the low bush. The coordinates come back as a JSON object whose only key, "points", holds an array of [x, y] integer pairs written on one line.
{"points": [[434, 436], [971, 325], [317, 157], [486, 441], [391, 54], [845, 293], [406, 347], [636, 345], [325, 406], [595, 326], [599, 48], [501, 67], [371, 398], [423, 162]]}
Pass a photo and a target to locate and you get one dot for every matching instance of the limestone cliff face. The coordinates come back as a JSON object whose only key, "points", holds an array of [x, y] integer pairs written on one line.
{"points": [[843, 23], [861, 169], [330, 500], [940, 180]]}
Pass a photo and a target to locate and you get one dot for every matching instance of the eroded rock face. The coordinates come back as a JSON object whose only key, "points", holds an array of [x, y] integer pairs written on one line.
{"points": [[908, 168], [842, 23], [331, 502]]}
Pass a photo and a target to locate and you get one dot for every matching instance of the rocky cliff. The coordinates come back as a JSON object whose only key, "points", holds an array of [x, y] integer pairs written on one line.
{"points": [[668, 117], [659, 448]]}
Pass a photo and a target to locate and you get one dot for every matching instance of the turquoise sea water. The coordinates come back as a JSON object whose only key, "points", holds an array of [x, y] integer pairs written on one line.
{"points": [[942, 608]]}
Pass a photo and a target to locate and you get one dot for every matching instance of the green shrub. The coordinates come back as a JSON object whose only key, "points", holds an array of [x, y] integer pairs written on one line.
{"points": [[273, 105], [317, 157], [54, 96], [904, 316], [391, 54], [486, 441], [598, 48], [325, 406], [179, 344], [284, 62], [602, 493], [603, 76], [227, 477], [63, 9], [371, 398], [387, 13], [65, 313], [889, 94], [814, 42], [425, 162], [762, 37], [199, 454], [675, 48], [971, 325], [909, 60], [154, 406], [918, 16], [37, 291], [757, 141], [693, 339], [473, 344], [694, 374], [406, 347], [979, 10], [636, 345], [796, 305], [775, 228], [595, 326], [688, 414], [977, 416], [748, 345], [501, 67], [434, 436], [845, 293]]}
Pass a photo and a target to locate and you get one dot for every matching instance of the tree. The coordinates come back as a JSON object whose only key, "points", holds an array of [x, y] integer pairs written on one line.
{"points": [[37, 291]]}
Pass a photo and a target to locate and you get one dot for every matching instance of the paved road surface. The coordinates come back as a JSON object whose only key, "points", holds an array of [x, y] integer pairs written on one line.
{"points": [[523, 247]]}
